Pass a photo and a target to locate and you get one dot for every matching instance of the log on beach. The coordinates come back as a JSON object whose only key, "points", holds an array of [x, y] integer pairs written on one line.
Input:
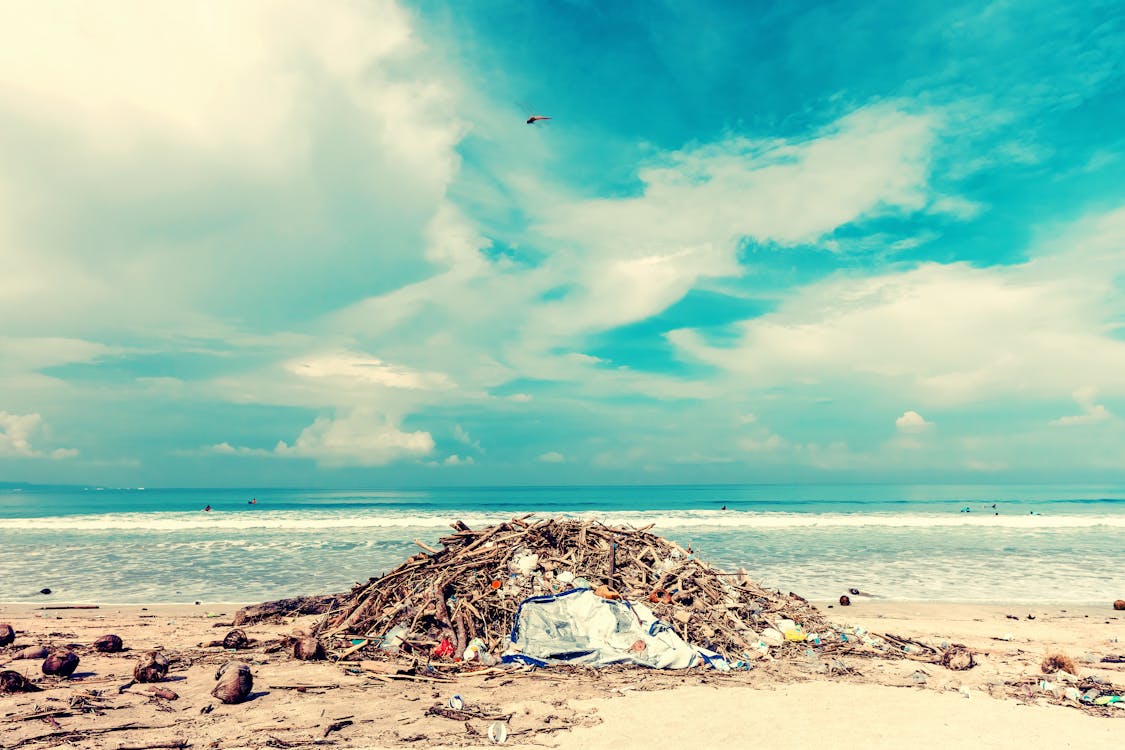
{"points": [[301, 605], [31, 652]]}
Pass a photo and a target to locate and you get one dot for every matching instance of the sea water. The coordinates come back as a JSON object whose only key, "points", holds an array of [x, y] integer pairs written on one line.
{"points": [[104, 545]]}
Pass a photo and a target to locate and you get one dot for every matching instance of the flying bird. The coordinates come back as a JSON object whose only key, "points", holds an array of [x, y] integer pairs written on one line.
{"points": [[536, 118]]}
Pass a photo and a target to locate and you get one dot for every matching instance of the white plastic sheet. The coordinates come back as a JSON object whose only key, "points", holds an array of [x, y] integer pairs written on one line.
{"points": [[579, 627]]}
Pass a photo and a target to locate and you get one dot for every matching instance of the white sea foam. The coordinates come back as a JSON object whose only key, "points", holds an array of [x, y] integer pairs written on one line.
{"points": [[300, 521]]}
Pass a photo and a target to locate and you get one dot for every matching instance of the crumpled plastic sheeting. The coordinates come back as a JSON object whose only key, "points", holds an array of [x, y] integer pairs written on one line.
{"points": [[579, 627]]}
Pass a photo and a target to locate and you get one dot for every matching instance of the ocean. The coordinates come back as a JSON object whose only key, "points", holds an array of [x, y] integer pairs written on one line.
{"points": [[1039, 544]]}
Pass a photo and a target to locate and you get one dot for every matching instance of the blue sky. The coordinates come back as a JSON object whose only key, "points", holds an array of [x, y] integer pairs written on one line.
{"points": [[316, 245]]}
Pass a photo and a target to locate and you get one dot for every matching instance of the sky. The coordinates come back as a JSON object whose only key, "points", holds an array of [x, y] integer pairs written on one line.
{"points": [[315, 244]]}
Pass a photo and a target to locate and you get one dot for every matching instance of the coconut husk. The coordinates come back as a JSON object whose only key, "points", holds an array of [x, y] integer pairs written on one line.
{"points": [[957, 658], [845, 601], [108, 644], [308, 649], [236, 639], [14, 682], [1119, 605], [152, 667], [235, 681], [31, 652], [1058, 662], [7, 634], [60, 663]]}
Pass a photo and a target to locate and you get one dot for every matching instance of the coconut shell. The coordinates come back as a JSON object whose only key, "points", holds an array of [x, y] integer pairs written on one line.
{"points": [[60, 663], [845, 601], [14, 682], [152, 667], [7, 635], [957, 658], [108, 644], [235, 682], [31, 652], [1119, 605], [308, 649], [236, 639]]}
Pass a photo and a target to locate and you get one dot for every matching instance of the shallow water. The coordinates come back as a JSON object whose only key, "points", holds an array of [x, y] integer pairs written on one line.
{"points": [[1047, 543]]}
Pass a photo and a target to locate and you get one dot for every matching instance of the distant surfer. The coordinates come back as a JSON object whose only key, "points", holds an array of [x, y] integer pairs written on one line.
{"points": [[207, 509], [253, 501]]}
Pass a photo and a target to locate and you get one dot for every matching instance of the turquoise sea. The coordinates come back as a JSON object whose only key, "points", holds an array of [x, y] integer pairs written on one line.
{"points": [[1040, 543]]}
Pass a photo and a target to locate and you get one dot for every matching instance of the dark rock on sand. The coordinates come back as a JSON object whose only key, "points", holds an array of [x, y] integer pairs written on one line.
{"points": [[7, 634]]}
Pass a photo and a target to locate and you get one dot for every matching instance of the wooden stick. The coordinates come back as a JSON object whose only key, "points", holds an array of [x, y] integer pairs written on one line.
{"points": [[74, 606], [427, 547], [79, 733], [38, 715]]}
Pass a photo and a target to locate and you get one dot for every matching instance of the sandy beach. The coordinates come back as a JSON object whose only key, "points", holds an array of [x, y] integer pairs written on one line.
{"points": [[859, 703]]}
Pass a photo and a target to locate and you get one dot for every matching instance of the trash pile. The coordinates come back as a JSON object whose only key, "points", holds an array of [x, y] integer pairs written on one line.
{"points": [[460, 602]]}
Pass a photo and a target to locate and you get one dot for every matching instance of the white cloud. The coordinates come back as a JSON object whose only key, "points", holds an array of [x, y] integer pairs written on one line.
{"points": [[185, 185], [957, 207], [360, 438], [455, 460], [1091, 412], [461, 435], [226, 449], [552, 457], [912, 421], [632, 257], [770, 442], [349, 366], [17, 432], [946, 334]]}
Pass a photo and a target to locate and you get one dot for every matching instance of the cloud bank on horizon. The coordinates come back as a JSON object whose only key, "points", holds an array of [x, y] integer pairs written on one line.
{"points": [[316, 244]]}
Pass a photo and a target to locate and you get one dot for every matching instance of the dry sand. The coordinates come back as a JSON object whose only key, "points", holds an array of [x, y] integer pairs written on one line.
{"points": [[878, 704]]}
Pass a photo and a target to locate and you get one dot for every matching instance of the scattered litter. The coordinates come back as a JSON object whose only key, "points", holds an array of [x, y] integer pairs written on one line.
{"points": [[498, 732]]}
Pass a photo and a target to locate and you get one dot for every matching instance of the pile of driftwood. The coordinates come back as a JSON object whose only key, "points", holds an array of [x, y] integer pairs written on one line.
{"points": [[471, 587]]}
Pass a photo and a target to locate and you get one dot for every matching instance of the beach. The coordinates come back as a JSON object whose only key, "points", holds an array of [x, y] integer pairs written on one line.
{"points": [[871, 703]]}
